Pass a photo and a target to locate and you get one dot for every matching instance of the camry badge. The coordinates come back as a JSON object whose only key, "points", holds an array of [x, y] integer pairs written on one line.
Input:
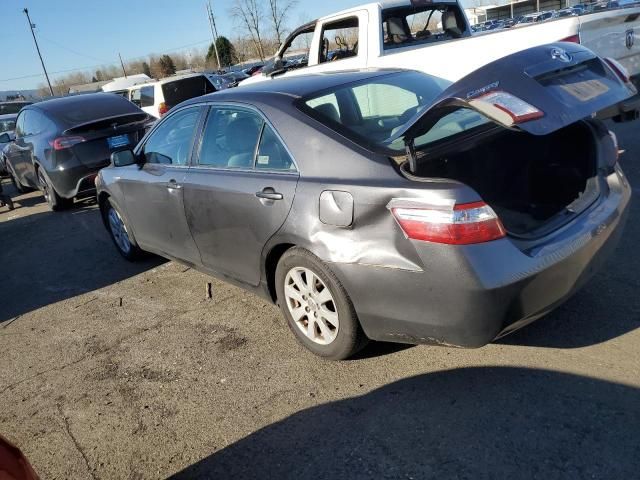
{"points": [[560, 54]]}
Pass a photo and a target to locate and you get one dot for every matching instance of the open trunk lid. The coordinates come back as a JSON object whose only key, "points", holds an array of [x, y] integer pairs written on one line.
{"points": [[538, 90]]}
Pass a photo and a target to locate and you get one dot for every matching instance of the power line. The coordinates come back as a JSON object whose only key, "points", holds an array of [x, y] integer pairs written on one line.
{"points": [[70, 49], [89, 67]]}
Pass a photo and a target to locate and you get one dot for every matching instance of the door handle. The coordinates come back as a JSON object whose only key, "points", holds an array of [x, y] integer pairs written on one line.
{"points": [[269, 194], [173, 184]]}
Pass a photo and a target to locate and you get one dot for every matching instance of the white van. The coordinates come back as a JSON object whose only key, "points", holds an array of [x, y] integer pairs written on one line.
{"points": [[157, 98]]}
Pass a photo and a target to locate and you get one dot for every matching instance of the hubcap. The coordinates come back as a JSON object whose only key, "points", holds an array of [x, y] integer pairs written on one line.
{"points": [[311, 305], [119, 231]]}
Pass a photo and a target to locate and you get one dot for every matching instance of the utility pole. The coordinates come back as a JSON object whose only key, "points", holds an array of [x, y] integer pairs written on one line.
{"points": [[214, 32], [31, 27], [122, 63]]}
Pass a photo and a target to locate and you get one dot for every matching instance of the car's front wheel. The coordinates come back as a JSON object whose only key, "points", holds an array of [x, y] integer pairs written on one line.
{"points": [[317, 307], [55, 201], [120, 234]]}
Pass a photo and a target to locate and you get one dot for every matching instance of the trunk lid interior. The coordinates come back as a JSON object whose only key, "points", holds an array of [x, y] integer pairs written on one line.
{"points": [[538, 171], [565, 82]]}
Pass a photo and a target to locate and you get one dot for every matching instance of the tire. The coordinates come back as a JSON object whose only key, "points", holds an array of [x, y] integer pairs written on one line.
{"points": [[55, 201], [120, 234], [335, 332]]}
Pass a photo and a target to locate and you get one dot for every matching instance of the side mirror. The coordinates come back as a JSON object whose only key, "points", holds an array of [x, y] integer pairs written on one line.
{"points": [[278, 64], [5, 138], [123, 158]]}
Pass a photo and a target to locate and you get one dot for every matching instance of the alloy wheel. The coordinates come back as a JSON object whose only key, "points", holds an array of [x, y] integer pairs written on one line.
{"points": [[311, 305], [119, 231]]}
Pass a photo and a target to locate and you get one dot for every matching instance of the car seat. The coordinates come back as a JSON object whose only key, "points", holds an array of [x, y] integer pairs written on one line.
{"points": [[241, 137], [450, 24]]}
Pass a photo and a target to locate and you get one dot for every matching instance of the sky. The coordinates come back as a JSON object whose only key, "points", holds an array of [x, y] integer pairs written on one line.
{"points": [[74, 34]]}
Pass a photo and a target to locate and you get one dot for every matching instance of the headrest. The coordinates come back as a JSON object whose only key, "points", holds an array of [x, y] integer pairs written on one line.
{"points": [[328, 110]]}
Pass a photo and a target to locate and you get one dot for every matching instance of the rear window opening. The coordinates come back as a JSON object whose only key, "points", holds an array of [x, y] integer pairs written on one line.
{"points": [[533, 183], [180, 90]]}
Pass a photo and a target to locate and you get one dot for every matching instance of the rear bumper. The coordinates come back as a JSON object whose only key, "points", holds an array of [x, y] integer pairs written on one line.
{"points": [[76, 179], [468, 296]]}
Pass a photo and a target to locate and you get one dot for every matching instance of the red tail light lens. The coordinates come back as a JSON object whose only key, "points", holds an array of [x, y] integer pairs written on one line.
{"points": [[465, 224], [517, 110], [62, 143], [572, 39], [162, 108], [619, 69]]}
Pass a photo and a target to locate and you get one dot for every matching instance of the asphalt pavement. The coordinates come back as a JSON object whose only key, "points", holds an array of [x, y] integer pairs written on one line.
{"points": [[119, 370]]}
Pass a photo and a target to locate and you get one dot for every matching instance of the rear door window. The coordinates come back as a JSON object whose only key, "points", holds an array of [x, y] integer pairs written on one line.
{"points": [[272, 154], [406, 26], [171, 142], [186, 88], [143, 97], [146, 96], [339, 40], [230, 138]]}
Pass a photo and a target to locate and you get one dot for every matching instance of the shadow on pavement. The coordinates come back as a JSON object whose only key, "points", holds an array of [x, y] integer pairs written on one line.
{"points": [[471, 423], [48, 257]]}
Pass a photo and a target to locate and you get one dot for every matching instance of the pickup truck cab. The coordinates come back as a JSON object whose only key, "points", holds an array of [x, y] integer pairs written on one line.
{"points": [[436, 38]]}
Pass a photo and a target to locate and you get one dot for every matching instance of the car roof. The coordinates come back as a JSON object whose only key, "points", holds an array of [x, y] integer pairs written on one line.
{"points": [[9, 116], [98, 102], [297, 86]]}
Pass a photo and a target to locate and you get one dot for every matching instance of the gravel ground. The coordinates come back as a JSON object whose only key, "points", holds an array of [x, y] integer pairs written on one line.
{"points": [[119, 370]]}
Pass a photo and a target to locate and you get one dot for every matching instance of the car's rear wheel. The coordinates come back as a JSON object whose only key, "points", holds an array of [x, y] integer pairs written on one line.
{"points": [[120, 234], [55, 201], [317, 307]]}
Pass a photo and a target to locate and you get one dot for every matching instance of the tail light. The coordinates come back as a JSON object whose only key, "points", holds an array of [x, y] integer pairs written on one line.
{"points": [[518, 110], [162, 108], [572, 39], [62, 143], [618, 68], [463, 224]]}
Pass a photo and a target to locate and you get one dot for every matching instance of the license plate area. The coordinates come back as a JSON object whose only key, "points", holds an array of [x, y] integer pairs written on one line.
{"points": [[118, 141]]}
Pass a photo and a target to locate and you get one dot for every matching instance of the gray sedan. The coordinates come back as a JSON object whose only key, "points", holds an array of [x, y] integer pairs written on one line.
{"points": [[382, 205]]}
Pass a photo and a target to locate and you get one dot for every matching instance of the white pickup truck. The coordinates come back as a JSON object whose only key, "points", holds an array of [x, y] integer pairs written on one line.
{"points": [[435, 37]]}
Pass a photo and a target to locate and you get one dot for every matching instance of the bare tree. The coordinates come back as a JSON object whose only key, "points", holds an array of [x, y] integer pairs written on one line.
{"points": [[250, 14], [279, 9]]}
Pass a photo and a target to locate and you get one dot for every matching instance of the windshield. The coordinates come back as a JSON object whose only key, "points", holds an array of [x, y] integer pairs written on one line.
{"points": [[370, 112]]}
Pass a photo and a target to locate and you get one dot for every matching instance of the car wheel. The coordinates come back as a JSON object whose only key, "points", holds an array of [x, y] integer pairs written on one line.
{"points": [[317, 307], [55, 201], [120, 234]]}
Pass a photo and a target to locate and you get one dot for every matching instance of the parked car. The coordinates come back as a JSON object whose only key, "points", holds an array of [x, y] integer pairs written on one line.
{"points": [[253, 69], [435, 37], [220, 82], [61, 144], [234, 78], [379, 205], [157, 98], [12, 106], [566, 12], [7, 126]]}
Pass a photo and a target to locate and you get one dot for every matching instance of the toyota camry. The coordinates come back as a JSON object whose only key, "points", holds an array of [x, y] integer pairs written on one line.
{"points": [[386, 204]]}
